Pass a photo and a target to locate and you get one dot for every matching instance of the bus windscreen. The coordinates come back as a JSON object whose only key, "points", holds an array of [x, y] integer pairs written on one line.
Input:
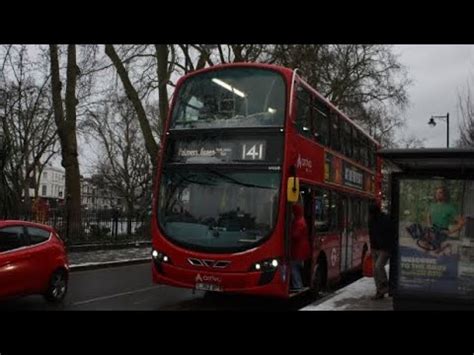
{"points": [[237, 97], [218, 210]]}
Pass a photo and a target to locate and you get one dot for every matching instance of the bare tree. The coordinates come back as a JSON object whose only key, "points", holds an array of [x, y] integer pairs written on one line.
{"points": [[411, 141], [27, 122], [7, 205], [197, 56], [133, 95], [66, 126], [363, 80], [163, 74], [124, 166], [146, 69], [348, 74]]}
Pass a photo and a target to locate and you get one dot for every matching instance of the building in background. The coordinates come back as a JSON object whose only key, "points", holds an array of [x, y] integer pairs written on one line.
{"points": [[52, 183], [95, 196]]}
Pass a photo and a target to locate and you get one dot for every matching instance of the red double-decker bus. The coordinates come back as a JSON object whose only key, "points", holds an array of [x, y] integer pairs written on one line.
{"points": [[243, 142]]}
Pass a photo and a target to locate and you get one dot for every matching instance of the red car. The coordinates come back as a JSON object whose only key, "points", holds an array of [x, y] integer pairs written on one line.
{"points": [[33, 260]]}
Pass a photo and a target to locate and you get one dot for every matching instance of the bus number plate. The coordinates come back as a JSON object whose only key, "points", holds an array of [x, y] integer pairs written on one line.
{"points": [[208, 287]]}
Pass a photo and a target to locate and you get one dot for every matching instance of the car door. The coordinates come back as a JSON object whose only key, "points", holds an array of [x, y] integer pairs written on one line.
{"points": [[41, 257], [15, 268]]}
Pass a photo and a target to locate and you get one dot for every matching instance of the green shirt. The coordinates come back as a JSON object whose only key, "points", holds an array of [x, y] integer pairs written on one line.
{"points": [[442, 214]]}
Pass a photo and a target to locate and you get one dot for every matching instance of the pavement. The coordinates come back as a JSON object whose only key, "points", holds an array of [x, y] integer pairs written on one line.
{"points": [[354, 297], [84, 260]]}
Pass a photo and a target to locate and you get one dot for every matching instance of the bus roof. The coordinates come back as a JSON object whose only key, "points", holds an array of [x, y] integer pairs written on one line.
{"points": [[287, 72], [430, 158], [280, 69]]}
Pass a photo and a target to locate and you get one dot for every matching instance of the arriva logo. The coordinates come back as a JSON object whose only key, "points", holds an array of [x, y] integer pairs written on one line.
{"points": [[207, 278], [304, 163]]}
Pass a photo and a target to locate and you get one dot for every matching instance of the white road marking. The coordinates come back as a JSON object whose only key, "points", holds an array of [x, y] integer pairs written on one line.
{"points": [[116, 295]]}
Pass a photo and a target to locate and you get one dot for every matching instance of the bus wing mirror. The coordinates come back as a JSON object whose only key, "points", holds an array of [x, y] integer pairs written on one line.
{"points": [[293, 189]]}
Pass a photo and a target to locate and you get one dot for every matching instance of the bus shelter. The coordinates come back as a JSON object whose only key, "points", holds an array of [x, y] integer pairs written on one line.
{"points": [[432, 204]]}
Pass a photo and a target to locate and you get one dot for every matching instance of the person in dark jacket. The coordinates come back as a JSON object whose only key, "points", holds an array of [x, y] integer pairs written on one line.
{"points": [[300, 248], [382, 241]]}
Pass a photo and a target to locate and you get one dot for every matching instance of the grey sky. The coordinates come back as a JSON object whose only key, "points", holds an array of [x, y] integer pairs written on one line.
{"points": [[438, 72]]}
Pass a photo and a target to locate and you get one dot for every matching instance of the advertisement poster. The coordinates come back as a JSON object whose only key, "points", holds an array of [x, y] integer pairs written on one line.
{"points": [[436, 237]]}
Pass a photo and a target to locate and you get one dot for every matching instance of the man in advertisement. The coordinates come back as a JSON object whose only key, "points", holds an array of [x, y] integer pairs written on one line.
{"points": [[444, 219], [432, 236]]}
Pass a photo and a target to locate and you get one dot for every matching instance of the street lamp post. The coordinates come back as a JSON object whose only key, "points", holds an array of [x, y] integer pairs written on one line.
{"points": [[432, 122]]}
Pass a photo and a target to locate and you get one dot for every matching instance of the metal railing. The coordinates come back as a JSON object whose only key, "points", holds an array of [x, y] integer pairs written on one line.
{"points": [[96, 226]]}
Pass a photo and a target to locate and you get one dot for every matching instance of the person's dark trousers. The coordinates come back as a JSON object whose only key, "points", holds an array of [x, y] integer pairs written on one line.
{"points": [[392, 273], [380, 275]]}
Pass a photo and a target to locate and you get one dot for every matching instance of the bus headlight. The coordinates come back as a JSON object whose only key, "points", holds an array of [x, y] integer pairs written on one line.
{"points": [[266, 265], [160, 257]]}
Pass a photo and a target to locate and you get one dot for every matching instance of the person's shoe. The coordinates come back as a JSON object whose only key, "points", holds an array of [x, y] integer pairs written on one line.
{"points": [[378, 296], [296, 289]]}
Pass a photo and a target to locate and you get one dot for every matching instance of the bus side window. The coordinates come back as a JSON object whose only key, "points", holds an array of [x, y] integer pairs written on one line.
{"points": [[355, 202], [303, 112], [346, 138], [363, 151], [334, 131], [342, 213], [321, 209], [333, 211], [371, 156], [321, 122], [342, 137], [355, 145], [306, 199], [347, 145], [364, 214]]}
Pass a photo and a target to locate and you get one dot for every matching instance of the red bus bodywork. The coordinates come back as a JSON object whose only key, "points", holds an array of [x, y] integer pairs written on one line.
{"points": [[309, 158]]}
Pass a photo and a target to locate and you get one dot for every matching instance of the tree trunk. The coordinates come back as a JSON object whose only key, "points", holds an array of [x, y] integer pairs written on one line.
{"points": [[26, 197], [163, 77], [237, 49], [6, 205], [73, 177], [67, 136], [129, 217], [132, 94]]}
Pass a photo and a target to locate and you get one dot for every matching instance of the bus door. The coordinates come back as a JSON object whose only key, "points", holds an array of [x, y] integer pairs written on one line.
{"points": [[306, 200], [346, 234]]}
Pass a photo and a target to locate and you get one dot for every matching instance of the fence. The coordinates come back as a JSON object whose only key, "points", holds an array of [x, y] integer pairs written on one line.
{"points": [[99, 226]]}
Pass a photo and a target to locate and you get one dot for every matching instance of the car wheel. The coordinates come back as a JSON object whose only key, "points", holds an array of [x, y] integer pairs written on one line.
{"points": [[57, 287]]}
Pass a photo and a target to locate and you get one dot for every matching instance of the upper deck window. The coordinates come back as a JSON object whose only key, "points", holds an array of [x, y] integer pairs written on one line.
{"points": [[235, 97]]}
